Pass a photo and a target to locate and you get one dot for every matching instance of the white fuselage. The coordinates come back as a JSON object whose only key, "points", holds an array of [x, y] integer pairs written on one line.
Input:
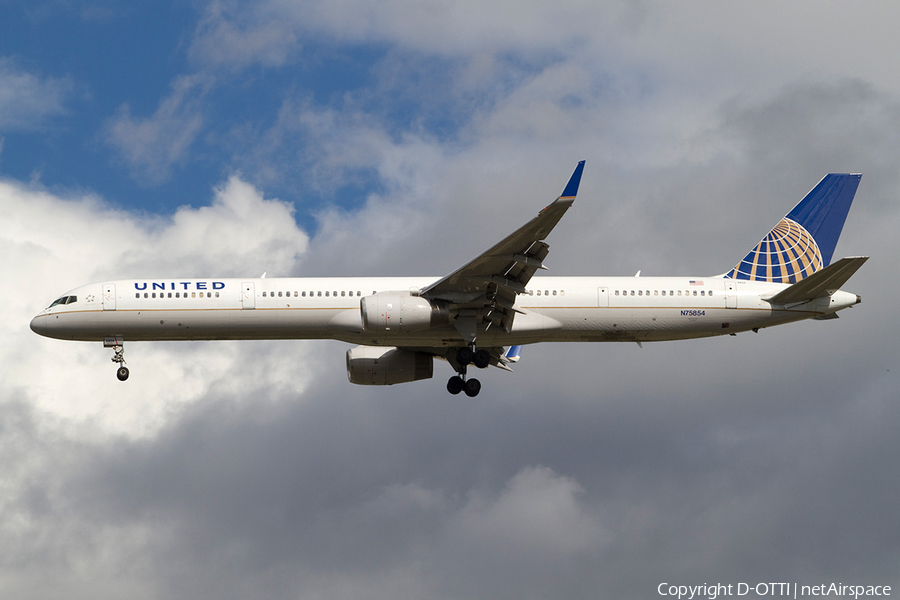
{"points": [[554, 309]]}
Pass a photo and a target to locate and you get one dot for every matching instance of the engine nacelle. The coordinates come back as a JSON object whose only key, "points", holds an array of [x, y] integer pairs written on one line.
{"points": [[369, 365], [401, 313]]}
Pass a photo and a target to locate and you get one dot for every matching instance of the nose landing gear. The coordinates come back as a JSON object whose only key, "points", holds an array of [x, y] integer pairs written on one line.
{"points": [[117, 343]]}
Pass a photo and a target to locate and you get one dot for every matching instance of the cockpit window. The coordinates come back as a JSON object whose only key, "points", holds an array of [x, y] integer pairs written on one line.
{"points": [[64, 300]]}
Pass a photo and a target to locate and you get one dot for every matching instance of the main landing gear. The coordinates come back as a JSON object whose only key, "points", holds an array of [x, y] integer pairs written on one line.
{"points": [[117, 343], [464, 357]]}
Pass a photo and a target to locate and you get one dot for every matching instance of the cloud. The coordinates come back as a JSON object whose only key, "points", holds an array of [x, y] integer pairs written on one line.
{"points": [[55, 243], [268, 32], [230, 470], [222, 40], [153, 146], [26, 100]]}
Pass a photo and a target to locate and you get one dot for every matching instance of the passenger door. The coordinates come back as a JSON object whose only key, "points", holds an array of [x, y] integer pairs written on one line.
{"points": [[109, 296], [730, 294], [248, 295]]}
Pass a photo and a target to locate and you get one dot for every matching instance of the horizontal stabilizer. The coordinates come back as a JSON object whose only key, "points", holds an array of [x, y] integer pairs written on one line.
{"points": [[821, 283], [827, 317]]}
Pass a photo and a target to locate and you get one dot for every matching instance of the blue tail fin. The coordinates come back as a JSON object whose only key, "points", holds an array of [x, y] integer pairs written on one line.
{"points": [[803, 242]]}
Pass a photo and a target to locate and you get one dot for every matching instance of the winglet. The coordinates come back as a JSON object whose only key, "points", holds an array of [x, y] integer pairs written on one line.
{"points": [[512, 354], [572, 187]]}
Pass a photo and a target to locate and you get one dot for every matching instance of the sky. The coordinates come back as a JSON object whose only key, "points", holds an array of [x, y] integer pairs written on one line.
{"points": [[216, 138]]}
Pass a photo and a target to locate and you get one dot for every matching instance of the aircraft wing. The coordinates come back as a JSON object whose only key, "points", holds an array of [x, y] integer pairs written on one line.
{"points": [[483, 292]]}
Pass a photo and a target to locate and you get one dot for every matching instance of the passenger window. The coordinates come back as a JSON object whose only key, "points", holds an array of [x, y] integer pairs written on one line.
{"points": [[554, 292], [342, 294], [664, 292], [695, 292], [145, 294], [194, 294], [169, 295], [136, 295], [709, 293], [153, 295], [640, 292], [319, 294], [539, 292]]}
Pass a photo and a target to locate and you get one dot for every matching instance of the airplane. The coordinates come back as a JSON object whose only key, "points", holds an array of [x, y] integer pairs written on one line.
{"points": [[482, 313]]}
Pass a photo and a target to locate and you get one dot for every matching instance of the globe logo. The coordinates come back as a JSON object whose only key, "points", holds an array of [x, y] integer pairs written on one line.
{"points": [[787, 255]]}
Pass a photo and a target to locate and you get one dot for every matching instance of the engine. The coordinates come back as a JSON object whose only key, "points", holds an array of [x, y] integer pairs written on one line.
{"points": [[368, 365], [402, 313]]}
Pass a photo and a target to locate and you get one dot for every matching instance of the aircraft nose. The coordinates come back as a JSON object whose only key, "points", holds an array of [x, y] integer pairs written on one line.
{"points": [[39, 325]]}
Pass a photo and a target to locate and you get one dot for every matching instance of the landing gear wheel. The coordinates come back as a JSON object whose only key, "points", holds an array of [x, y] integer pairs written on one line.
{"points": [[116, 343], [455, 385], [472, 387], [482, 359], [464, 356]]}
